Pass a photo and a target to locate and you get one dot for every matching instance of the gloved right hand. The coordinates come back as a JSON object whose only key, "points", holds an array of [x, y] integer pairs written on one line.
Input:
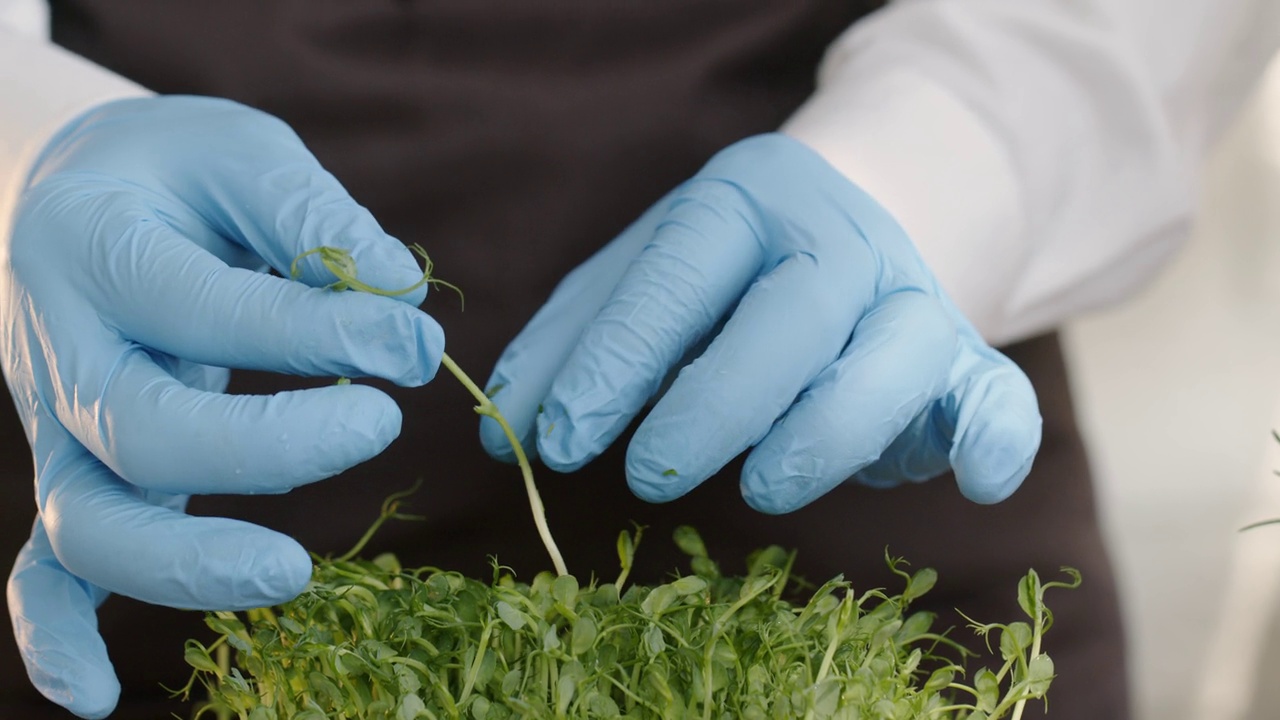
{"points": [[130, 279]]}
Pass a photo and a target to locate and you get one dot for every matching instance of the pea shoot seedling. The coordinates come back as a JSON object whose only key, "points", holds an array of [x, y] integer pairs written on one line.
{"points": [[339, 262], [370, 639]]}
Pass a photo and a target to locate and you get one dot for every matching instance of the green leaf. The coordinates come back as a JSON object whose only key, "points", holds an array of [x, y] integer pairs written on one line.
{"points": [[292, 626], [326, 688], [659, 599], [198, 657], [689, 541], [388, 563], [705, 568], [584, 635], [1039, 675], [565, 590], [566, 688], [238, 642], [1029, 594], [988, 690], [1015, 639], [600, 705], [914, 627], [766, 560], [689, 585], [411, 706], [511, 682], [550, 640], [509, 615], [921, 582], [626, 549], [407, 680], [825, 697], [938, 680], [655, 641], [756, 585], [225, 625]]}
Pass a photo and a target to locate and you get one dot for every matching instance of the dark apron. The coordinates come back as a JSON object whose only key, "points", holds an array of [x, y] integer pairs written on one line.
{"points": [[512, 138]]}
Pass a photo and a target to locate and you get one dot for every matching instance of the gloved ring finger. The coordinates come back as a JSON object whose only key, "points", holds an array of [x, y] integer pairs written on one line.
{"points": [[896, 363]]}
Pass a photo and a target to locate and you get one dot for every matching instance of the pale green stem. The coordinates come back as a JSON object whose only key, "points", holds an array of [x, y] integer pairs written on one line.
{"points": [[223, 658], [716, 629], [476, 664], [487, 408], [1036, 636], [338, 261]]}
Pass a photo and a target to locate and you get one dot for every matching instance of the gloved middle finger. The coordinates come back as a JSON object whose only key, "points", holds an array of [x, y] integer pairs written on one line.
{"points": [[159, 434], [791, 324], [702, 257]]}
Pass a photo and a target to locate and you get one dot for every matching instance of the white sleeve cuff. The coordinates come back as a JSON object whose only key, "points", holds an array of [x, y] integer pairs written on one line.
{"points": [[44, 87], [29, 17], [939, 170]]}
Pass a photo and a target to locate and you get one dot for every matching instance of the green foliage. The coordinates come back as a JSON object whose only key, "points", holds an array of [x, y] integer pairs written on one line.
{"points": [[369, 639]]}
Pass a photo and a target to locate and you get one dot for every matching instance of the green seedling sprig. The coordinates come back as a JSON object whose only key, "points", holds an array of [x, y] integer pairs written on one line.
{"points": [[339, 262], [372, 640]]}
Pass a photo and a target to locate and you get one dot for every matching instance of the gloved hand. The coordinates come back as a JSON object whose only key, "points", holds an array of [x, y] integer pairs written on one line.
{"points": [[130, 278], [831, 350]]}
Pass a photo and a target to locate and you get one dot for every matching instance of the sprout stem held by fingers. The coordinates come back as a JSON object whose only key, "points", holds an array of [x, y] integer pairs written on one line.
{"points": [[339, 262]]}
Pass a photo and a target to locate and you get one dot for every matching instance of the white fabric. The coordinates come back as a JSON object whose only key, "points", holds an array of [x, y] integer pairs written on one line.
{"points": [[1043, 155], [29, 17], [43, 87]]}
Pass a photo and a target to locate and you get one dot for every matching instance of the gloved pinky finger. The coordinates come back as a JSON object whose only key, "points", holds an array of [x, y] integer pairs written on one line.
{"points": [[895, 366], [997, 433], [56, 629]]}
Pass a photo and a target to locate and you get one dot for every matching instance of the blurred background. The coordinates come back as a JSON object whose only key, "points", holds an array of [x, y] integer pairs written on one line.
{"points": [[1179, 390]]}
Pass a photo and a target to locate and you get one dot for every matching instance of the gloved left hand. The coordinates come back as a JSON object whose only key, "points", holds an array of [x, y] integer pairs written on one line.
{"points": [[832, 350]]}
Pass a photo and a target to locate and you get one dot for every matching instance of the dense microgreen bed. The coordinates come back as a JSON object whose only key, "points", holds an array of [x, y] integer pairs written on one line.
{"points": [[369, 639]]}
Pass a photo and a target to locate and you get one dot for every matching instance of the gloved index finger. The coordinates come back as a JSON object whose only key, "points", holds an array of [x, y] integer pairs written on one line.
{"points": [[702, 256], [185, 302], [294, 210], [245, 173], [524, 373]]}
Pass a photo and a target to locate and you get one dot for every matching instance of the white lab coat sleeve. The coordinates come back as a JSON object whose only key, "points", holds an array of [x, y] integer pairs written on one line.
{"points": [[43, 87], [1042, 154]]}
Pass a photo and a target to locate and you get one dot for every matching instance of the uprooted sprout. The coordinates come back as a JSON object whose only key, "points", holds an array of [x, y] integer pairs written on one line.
{"points": [[339, 262]]}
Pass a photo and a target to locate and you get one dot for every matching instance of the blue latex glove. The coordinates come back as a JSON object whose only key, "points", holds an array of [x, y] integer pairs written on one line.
{"points": [[131, 277], [802, 322]]}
